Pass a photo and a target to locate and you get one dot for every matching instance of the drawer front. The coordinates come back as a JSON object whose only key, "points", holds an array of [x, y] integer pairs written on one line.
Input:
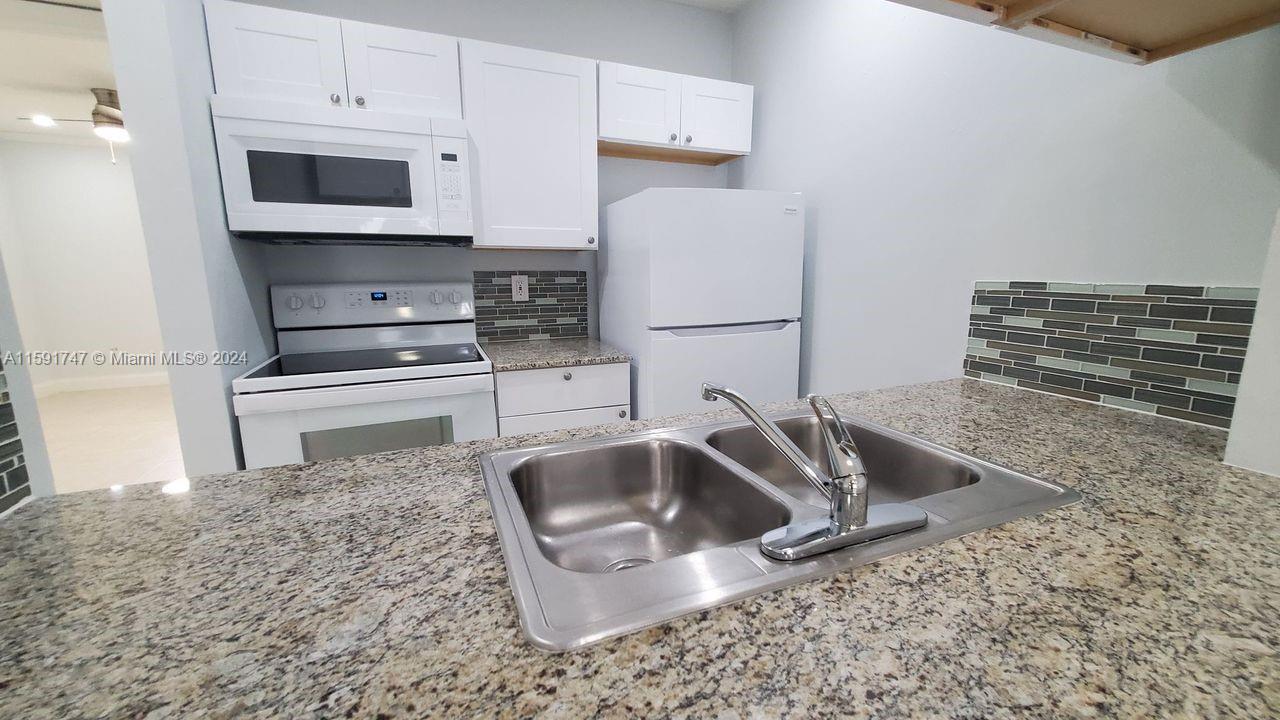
{"points": [[525, 392], [543, 422]]}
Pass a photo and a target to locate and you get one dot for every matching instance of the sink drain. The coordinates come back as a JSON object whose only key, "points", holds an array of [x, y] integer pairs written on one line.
{"points": [[626, 564]]}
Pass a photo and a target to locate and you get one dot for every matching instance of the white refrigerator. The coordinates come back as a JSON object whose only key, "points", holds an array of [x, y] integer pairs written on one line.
{"points": [[704, 285]]}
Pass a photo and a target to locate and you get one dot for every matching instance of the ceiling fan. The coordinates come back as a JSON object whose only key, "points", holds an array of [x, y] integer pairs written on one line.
{"points": [[107, 119]]}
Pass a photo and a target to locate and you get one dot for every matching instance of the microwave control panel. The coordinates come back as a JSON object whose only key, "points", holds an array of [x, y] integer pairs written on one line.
{"points": [[347, 305], [453, 185]]}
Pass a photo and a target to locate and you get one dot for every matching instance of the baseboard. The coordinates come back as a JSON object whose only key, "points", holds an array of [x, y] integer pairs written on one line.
{"points": [[105, 382]]}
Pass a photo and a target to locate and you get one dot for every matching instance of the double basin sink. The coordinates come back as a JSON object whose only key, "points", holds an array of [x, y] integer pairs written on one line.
{"points": [[609, 536]]}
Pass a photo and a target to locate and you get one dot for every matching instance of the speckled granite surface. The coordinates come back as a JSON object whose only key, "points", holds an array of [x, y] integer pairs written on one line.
{"points": [[374, 586], [537, 354]]}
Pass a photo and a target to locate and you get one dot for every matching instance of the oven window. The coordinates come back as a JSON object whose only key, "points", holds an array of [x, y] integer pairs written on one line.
{"points": [[365, 439], [328, 179]]}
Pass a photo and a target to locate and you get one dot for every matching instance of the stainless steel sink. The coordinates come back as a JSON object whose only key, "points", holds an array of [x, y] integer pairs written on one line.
{"points": [[637, 503], [605, 537], [900, 470]]}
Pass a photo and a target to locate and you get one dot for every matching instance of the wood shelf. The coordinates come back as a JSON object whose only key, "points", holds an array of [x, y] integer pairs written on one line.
{"points": [[606, 148], [1136, 31]]}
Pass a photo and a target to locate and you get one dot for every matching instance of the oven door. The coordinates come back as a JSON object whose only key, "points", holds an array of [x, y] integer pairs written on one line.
{"points": [[279, 428], [290, 168]]}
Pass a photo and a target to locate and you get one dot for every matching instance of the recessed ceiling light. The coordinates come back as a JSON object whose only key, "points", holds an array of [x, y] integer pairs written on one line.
{"points": [[43, 121]]}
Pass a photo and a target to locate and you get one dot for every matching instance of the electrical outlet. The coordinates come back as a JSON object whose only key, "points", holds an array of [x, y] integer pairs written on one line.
{"points": [[520, 288]]}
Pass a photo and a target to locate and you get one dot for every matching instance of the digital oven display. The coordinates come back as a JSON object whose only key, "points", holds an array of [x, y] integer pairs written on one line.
{"points": [[378, 296]]}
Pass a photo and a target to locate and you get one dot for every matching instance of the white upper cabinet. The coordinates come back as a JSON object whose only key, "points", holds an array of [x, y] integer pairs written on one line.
{"points": [[279, 54], [285, 55], [639, 105], [532, 119], [402, 71], [715, 115], [674, 112]]}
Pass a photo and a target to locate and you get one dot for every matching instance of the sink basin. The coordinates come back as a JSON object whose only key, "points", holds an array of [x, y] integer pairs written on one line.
{"points": [[609, 536], [637, 503], [901, 470]]}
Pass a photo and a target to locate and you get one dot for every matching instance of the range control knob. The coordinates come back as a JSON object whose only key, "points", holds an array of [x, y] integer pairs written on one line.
{"points": [[317, 300], [295, 302], [455, 297], [435, 297]]}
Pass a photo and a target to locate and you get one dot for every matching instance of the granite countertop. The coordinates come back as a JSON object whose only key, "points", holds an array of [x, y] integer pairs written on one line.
{"points": [[539, 354], [374, 586]]}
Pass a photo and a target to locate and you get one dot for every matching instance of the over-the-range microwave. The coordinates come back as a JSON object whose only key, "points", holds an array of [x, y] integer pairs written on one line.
{"points": [[310, 174]]}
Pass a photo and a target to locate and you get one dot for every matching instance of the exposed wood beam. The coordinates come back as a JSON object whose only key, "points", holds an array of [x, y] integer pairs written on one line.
{"points": [[1195, 42], [1018, 14], [1084, 36]]}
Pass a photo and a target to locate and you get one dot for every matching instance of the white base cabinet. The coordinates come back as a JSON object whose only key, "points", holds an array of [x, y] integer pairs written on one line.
{"points": [[561, 398]]}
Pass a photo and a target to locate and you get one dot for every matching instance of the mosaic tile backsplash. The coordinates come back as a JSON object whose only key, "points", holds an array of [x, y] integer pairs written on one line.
{"points": [[557, 305], [14, 483], [1172, 350]]}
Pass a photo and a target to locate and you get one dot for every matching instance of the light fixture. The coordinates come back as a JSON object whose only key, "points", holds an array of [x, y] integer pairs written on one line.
{"points": [[43, 121], [108, 120], [111, 133]]}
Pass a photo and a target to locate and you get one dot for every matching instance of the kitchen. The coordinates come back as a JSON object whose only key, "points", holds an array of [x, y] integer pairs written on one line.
{"points": [[903, 214]]}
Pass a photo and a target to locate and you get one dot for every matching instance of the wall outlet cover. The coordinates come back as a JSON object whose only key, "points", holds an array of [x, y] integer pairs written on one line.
{"points": [[520, 288]]}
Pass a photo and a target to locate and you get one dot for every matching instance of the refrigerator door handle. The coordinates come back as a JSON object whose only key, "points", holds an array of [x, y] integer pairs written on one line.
{"points": [[711, 330]]}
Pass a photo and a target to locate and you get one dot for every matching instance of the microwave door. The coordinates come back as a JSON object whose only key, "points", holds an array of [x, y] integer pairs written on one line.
{"points": [[281, 177]]}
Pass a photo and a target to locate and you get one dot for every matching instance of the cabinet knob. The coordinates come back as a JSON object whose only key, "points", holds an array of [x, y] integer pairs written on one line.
{"points": [[674, 137], [591, 240], [360, 100], [568, 376], [622, 414], [335, 98], [688, 139]]}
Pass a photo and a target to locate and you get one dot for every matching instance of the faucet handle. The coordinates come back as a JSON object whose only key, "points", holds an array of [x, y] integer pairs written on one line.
{"points": [[842, 452]]}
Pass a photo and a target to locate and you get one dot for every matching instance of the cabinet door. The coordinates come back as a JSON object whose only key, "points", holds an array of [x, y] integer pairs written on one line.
{"points": [[403, 71], [279, 54], [532, 118], [715, 115], [639, 105]]}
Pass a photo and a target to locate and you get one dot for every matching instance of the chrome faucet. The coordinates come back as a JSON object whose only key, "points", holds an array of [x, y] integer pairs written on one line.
{"points": [[848, 520]]}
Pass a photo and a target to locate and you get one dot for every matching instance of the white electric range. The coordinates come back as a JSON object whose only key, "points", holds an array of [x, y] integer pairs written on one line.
{"points": [[366, 368]]}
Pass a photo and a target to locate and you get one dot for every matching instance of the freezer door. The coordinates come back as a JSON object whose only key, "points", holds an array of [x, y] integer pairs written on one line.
{"points": [[725, 256], [762, 361]]}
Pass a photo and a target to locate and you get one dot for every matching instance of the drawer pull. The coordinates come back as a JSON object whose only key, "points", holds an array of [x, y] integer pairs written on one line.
{"points": [[622, 414], [568, 376]]}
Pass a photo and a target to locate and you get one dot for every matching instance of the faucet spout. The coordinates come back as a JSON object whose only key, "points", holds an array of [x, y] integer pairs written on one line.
{"points": [[810, 470], [849, 520]]}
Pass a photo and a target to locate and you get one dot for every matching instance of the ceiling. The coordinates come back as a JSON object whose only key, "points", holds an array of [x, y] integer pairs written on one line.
{"points": [[49, 58], [727, 6]]}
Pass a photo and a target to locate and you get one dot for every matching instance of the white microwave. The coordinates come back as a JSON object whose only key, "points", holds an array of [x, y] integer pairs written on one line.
{"points": [[303, 173]]}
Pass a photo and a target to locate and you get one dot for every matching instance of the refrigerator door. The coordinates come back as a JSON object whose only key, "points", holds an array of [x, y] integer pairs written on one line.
{"points": [[681, 360], [719, 257]]}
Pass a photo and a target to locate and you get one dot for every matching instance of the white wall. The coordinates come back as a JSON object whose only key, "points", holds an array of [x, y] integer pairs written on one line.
{"points": [[78, 256], [211, 287], [934, 152], [651, 33], [1252, 443], [17, 377]]}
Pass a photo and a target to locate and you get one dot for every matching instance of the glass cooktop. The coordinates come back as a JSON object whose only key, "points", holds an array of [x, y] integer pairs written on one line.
{"points": [[374, 359]]}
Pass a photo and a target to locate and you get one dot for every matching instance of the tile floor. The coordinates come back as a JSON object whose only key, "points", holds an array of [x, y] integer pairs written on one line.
{"points": [[100, 438]]}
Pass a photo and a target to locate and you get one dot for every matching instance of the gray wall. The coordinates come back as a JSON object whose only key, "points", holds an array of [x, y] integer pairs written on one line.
{"points": [[211, 288], [934, 152], [1253, 433]]}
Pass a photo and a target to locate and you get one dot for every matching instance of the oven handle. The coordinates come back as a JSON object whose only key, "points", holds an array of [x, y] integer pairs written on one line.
{"points": [[309, 399]]}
